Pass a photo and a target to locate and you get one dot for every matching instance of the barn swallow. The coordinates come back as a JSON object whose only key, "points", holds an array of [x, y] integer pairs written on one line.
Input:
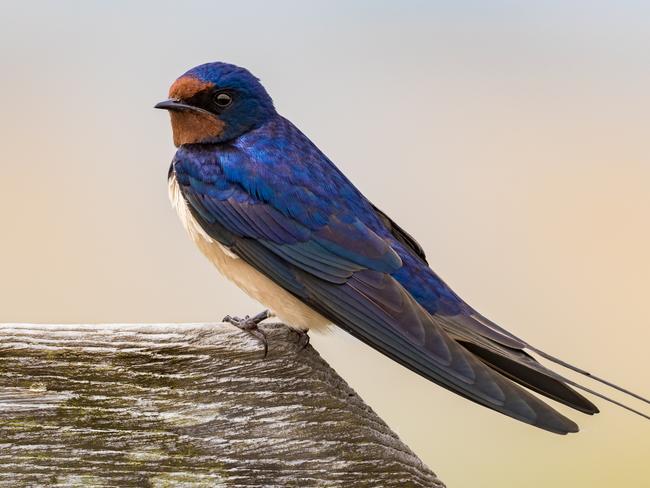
{"points": [[280, 220]]}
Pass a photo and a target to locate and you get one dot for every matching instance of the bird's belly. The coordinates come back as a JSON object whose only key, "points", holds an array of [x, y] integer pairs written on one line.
{"points": [[286, 306]]}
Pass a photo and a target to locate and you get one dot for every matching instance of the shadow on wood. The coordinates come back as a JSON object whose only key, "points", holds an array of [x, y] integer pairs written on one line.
{"points": [[185, 405]]}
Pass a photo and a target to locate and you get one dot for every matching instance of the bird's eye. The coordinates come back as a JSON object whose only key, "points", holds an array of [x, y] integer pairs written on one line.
{"points": [[222, 100]]}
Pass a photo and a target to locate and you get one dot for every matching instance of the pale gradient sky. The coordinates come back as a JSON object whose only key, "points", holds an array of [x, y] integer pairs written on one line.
{"points": [[510, 138]]}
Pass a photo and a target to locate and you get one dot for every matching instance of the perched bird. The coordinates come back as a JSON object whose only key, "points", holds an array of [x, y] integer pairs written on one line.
{"points": [[278, 218]]}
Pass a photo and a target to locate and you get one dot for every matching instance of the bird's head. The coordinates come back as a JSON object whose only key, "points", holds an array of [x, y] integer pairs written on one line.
{"points": [[216, 102]]}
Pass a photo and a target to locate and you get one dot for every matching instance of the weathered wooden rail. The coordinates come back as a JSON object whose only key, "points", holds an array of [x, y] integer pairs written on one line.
{"points": [[185, 405]]}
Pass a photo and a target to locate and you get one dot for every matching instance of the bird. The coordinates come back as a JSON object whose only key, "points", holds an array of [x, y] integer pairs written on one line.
{"points": [[277, 217]]}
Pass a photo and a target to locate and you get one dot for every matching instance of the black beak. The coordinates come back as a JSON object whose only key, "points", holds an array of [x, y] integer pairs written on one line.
{"points": [[177, 106], [173, 105]]}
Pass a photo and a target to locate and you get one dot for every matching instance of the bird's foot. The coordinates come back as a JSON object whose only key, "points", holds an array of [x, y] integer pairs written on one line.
{"points": [[250, 325], [303, 338]]}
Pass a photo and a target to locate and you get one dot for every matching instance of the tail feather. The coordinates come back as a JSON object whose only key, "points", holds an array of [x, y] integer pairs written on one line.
{"points": [[533, 379], [606, 398], [589, 375], [507, 354]]}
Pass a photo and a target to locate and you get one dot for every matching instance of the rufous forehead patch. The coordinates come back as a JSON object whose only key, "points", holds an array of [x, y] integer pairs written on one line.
{"points": [[187, 86]]}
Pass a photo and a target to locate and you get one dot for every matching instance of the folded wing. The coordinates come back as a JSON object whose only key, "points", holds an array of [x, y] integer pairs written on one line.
{"points": [[343, 269]]}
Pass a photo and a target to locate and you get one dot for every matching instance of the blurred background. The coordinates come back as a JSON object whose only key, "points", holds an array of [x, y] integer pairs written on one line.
{"points": [[510, 138]]}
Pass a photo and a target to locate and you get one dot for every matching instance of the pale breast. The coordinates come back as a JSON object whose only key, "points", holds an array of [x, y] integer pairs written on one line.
{"points": [[282, 303]]}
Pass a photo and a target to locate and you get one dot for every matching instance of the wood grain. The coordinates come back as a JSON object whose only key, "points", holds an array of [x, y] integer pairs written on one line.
{"points": [[185, 405]]}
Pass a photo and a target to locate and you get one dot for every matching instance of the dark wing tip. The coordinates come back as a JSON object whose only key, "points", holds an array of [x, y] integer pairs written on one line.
{"points": [[401, 235], [533, 379]]}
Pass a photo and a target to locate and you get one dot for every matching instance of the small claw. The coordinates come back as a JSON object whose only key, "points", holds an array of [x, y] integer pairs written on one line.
{"points": [[303, 338], [261, 336], [249, 324]]}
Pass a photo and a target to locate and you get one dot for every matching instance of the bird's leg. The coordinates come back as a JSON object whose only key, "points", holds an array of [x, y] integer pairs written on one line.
{"points": [[249, 324]]}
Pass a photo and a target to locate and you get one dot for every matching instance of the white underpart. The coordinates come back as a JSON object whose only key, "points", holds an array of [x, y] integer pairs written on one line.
{"points": [[282, 303]]}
